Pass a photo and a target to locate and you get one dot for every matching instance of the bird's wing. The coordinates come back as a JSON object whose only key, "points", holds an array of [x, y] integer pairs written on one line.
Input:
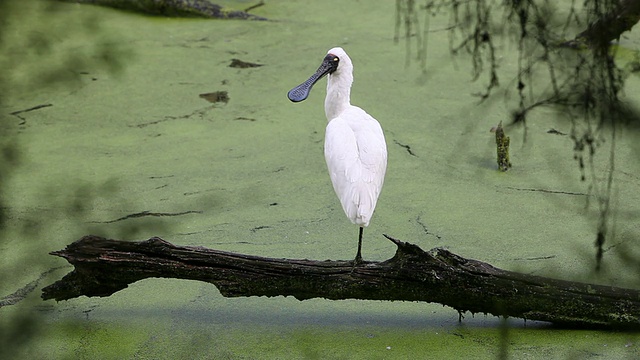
{"points": [[372, 151], [356, 155]]}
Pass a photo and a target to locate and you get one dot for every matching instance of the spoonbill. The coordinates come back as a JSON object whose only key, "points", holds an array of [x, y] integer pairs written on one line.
{"points": [[354, 146]]}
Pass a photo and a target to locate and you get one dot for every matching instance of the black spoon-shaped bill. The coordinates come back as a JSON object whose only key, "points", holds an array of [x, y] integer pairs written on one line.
{"points": [[301, 92]]}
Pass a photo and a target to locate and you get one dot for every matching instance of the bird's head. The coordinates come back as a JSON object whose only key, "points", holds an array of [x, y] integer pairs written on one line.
{"points": [[335, 62], [341, 60]]}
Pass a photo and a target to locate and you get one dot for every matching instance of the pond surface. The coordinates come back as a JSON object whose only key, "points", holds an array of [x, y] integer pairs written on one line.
{"points": [[131, 133]]}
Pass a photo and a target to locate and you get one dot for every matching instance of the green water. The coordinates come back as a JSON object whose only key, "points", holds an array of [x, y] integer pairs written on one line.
{"points": [[131, 136]]}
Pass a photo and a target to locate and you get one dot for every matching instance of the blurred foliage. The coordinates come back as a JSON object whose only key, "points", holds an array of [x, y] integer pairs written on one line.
{"points": [[39, 50], [583, 84]]}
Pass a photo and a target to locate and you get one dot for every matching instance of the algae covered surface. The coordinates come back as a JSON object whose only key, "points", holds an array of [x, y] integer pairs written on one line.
{"points": [[105, 132]]}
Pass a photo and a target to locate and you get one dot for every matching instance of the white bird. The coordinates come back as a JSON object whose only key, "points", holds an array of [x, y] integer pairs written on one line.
{"points": [[354, 146]]}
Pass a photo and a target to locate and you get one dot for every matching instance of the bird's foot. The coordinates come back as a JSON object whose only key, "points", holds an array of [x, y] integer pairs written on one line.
{"points": [[356, 262]]}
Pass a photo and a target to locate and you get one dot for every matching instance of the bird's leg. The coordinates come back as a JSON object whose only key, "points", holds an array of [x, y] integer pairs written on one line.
{"points": [[358, 258]]}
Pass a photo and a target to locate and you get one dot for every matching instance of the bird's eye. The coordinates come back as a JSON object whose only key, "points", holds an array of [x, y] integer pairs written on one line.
{"points": [[336, 59]]}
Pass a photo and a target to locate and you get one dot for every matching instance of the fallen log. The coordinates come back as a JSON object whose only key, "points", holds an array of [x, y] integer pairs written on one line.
{"points": [[103, 267]]}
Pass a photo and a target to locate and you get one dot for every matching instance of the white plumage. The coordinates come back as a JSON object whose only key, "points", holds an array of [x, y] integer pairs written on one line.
{"points": [[355, 149]]}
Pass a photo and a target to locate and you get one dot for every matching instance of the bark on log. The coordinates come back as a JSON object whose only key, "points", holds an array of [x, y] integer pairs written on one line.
{"points": [[104, 266]]}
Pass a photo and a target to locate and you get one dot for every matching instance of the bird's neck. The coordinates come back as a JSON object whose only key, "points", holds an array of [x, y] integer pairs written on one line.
{"points": [[338, 94]]}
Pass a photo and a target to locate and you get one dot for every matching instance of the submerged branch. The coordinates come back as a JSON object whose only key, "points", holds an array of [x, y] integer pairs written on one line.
{"points": [[177, 8]]}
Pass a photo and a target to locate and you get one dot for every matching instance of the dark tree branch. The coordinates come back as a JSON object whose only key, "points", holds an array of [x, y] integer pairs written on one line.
{"points": [[104, 266], [609, 27]]}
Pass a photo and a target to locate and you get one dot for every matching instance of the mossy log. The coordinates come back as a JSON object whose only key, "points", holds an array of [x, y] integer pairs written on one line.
{"points": [[103, 267], [173, 8]]}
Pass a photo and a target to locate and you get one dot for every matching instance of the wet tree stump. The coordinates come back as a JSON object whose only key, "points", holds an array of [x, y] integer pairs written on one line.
{"points": [[103, 267], [502, 148]]}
